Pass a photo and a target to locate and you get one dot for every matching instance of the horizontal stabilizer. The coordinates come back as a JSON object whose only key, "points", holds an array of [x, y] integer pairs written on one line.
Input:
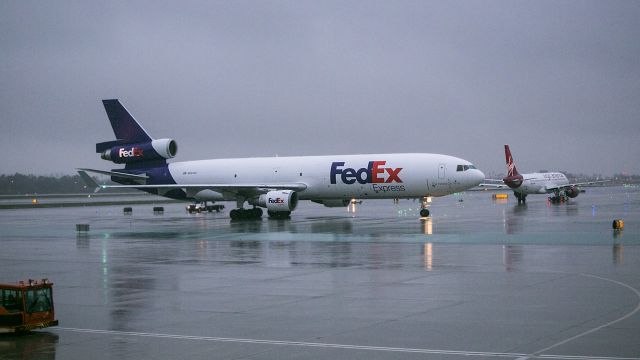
{"points": [[89, 181], [118, 174]]}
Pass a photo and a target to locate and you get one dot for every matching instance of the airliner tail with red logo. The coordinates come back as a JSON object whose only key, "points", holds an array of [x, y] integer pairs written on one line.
{"points": [[274, 183]]}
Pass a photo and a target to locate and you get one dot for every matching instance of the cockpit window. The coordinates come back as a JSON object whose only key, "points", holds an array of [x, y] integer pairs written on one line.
{"points": [[464, 167]]}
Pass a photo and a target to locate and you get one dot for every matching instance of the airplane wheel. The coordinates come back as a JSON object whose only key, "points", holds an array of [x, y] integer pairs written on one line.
{"points": [[245, 214], [424, 212], [279, 214]]}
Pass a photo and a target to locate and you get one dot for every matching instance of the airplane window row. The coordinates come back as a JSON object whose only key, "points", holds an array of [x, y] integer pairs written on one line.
{"points": [[464, 167]]}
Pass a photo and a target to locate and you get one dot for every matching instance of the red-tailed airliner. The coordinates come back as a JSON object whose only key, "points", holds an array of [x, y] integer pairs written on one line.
{"points": [[538, 183]]}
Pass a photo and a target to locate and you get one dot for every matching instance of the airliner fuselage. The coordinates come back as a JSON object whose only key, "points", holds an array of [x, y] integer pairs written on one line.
{"points": [[371, 176], [540, 183]]}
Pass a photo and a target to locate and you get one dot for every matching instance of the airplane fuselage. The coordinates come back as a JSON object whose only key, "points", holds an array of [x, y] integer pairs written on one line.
{"points": [[540, 183], [371, 176]]}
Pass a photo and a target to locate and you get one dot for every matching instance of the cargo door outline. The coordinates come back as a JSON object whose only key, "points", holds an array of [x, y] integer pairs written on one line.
{"points": [[442, 176]]}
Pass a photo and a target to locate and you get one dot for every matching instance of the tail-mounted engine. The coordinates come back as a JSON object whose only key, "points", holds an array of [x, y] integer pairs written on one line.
{"points": [[121, 153], [277, 200]]}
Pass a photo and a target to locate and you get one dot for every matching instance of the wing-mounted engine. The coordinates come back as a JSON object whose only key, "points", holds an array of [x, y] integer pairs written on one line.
{"points": [[513, 181], [277, 200], [126, 153], [572, 192]]}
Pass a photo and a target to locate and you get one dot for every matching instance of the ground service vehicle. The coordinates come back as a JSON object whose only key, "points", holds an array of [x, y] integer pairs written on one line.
{"points": [[203, 206], [26, 305]]}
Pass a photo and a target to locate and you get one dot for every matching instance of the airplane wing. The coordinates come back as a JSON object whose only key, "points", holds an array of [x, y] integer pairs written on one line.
{"points": [[243, 190], [567, 186], [494, 186], [258, 187], [493, 183], [238, 189]]}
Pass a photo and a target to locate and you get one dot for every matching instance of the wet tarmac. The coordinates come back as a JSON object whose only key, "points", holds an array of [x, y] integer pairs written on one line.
{"points": [[480, 279]]}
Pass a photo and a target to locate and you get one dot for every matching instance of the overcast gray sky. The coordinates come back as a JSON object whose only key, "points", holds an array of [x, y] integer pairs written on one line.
{"points": [[558, 80]]}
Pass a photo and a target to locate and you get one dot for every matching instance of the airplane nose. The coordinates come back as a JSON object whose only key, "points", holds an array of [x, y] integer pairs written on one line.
{"points": [[478, 177]]}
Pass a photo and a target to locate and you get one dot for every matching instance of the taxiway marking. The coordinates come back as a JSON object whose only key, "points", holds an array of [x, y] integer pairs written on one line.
{"points": [[337, 346]]}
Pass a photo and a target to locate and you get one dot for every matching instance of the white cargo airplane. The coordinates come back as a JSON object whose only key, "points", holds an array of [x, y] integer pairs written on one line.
{"points": [[274, 183], [537, 183]]}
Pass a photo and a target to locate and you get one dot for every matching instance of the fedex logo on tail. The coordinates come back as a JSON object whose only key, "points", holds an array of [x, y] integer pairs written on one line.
{"points": [[134, 152], [374, 173]]}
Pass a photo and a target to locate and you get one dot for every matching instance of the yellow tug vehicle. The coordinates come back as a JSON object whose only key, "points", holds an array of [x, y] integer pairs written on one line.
{"points": [[26, 305]]}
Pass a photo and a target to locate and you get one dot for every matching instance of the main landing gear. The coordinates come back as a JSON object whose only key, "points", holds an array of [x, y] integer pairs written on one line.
{"points": [[245, 214], [278, 215], [256, 213], [558, 198], [522, 198]]}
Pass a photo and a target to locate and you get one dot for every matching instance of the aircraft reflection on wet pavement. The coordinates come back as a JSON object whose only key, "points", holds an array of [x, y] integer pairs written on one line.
{"points": [[427, 226], [428, 256], [514, 218]]}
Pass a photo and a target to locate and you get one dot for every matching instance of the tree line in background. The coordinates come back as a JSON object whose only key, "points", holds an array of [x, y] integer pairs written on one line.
{"points": [[18, 184], [31, 184]]}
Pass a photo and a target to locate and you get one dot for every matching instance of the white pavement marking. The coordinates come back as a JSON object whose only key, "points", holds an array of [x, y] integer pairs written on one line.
{"points": [[337, 346], [628, 315]]}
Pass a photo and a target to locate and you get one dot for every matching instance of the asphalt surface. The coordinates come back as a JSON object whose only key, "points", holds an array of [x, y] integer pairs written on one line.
{"points": [[479, 279]]}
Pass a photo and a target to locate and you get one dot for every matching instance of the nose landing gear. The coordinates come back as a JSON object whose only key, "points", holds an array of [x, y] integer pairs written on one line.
{"points": [[522, 198], [424, 207]]}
